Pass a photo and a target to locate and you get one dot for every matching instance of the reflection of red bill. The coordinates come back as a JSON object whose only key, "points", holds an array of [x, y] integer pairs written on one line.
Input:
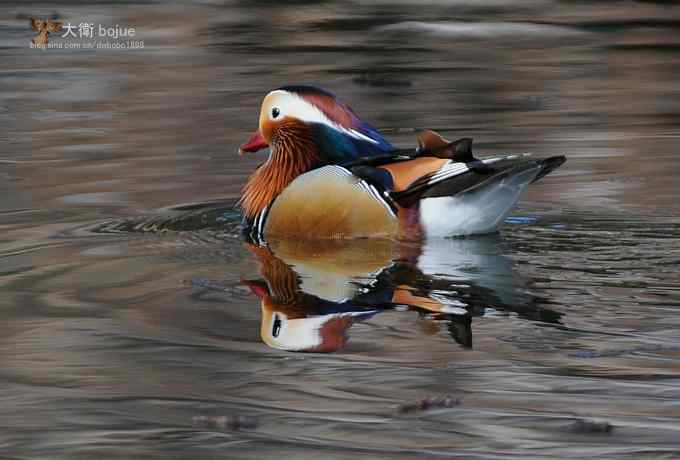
{"points": [[259, 288]]}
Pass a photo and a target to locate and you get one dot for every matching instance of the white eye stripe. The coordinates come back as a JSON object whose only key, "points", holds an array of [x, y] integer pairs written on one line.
{"points": [[292, 105]]}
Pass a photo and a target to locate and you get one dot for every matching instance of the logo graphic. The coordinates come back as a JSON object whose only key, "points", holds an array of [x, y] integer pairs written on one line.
{"points": [[85, 35], [44, 28]]}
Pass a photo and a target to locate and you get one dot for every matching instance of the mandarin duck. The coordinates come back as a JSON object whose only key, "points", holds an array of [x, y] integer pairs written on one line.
{"points": [[331, 175]]}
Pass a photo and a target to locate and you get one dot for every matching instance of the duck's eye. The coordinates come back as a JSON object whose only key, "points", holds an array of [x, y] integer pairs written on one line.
{"points": [[275, 112]]}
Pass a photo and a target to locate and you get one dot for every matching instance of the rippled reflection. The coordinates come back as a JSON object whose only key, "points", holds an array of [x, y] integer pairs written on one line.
{"points": [[114, 344], [312, 293]]}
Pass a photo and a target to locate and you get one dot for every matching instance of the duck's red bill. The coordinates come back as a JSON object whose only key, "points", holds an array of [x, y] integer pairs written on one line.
{"points": [[255, 143]]}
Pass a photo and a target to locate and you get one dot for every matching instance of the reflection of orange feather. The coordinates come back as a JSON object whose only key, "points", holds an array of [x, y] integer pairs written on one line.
{"points": [[283, 283], [282, 280], [405, 295], [335, 257]]}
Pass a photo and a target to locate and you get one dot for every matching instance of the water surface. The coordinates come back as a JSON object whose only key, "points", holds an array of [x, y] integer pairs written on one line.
{"points": [[133, 313]]}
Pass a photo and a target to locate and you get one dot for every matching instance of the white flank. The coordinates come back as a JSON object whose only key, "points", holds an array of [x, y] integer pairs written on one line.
{"points": [[477, 212]]}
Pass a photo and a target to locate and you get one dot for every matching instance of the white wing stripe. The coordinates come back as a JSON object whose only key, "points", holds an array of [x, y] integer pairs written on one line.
{"points": [[297, 107], [373, 192]]}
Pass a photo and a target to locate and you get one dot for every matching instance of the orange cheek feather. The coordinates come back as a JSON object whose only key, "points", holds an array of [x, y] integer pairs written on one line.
{"points": [[267, 126]]}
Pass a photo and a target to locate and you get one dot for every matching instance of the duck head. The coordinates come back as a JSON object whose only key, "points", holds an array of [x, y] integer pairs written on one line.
{"points": [[292, 319], [291, 116], [304, 127], [293, 327]]}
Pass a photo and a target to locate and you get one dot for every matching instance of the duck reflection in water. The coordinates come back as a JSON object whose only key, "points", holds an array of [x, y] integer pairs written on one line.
{"points": [[313, 292]]}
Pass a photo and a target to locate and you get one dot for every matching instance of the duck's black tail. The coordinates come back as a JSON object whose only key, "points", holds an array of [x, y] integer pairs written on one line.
{"points": [[548, 165], [452, 180]]}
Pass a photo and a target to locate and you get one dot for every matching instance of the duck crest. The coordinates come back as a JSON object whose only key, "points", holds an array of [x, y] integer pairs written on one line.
{"points": [[342, 136], [293, 152]]}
